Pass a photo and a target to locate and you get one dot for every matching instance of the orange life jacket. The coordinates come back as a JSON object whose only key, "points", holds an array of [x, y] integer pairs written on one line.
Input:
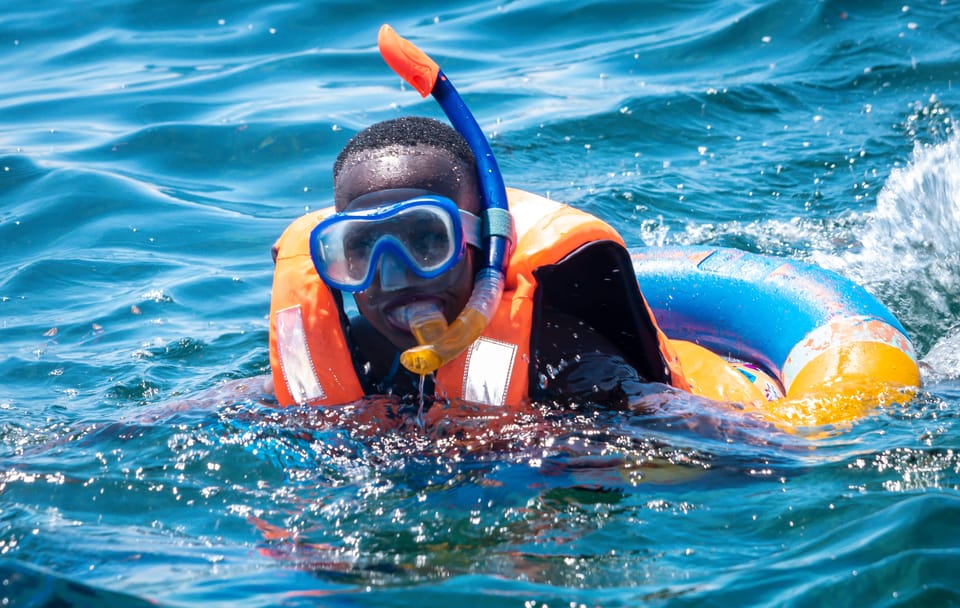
{"points": [[311, 361]]}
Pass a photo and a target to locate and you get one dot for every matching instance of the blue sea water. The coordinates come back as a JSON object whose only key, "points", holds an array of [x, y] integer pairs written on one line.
{"points": [[151, 152]]}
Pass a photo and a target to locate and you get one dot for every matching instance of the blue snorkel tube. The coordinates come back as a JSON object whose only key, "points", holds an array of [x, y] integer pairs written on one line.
{"points": [[437, 342]]}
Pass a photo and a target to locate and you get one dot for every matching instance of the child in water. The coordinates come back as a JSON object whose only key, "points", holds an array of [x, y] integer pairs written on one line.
{"points": [[406, 233]]}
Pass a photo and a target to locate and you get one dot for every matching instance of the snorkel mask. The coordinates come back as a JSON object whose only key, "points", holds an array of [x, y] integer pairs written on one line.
{"points": [[437, 342], [427, 234]]}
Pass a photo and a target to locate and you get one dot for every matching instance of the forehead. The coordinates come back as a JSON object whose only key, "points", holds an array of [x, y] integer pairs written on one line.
{"points": [[421, 168], [383, 197]]}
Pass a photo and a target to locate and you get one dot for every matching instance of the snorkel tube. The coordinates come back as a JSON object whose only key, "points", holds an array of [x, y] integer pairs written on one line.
{"points": [[437, 343]]}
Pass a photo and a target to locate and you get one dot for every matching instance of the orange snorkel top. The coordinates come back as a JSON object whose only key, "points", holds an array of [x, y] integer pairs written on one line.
{"points": [[407, 60]]}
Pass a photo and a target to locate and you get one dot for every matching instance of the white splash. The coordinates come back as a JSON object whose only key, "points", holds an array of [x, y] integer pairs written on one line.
{"points": [[915, 229], [910, 247]]}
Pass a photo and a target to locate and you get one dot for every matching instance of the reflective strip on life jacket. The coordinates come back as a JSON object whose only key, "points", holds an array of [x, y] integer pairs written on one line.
{"points": [[296, 363], [488, 370]]}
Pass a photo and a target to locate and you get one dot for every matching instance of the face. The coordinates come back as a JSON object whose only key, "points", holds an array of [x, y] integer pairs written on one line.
{"points": [[409, 173]]}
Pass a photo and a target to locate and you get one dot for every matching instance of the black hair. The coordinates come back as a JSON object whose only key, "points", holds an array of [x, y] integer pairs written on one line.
{"points": [[410, 131]]}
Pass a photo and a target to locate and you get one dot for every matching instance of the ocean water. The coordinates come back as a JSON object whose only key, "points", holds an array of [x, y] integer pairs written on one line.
{"points": [[151, 152]]}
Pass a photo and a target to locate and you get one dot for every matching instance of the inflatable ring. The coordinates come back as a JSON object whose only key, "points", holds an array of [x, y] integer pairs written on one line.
{"points": [[814, 347]]}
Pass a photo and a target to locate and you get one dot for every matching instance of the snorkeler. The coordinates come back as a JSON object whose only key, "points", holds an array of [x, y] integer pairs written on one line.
{"points": [[428, 277], [406, 234]]}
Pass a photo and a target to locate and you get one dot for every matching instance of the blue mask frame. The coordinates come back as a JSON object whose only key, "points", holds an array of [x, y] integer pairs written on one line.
{"points": [[329, 248]]}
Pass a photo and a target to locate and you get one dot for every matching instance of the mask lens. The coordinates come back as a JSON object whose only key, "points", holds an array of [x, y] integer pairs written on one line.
{"points": [[426, 236], [358, 245]]}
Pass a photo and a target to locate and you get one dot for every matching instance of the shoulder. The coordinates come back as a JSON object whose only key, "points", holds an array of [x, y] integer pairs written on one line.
{"points": [[548, 231]]}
